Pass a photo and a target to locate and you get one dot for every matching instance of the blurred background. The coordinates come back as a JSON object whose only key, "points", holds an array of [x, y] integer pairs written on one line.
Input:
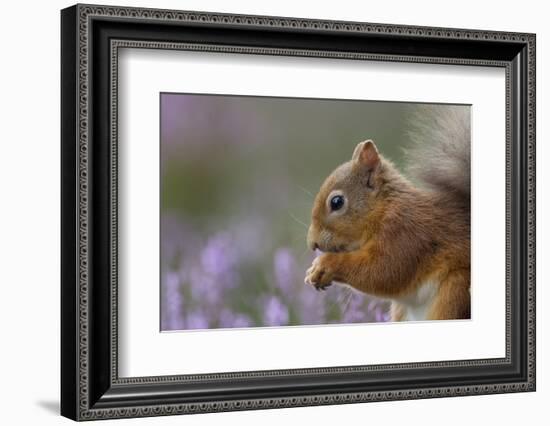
{"points": [[238, 178]]}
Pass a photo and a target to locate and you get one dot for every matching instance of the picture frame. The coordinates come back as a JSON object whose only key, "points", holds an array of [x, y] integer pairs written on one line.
{"points": [[90, 384]]}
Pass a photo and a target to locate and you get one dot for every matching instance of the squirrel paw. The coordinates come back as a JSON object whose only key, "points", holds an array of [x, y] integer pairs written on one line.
{"points": [[319, 275]]}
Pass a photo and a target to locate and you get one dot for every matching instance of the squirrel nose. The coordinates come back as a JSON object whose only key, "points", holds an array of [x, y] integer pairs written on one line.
{"points": [[313, 246], [311, 237]]}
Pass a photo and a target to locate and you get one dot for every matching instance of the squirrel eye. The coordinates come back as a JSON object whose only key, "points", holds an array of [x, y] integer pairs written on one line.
{"points": [[336, 202]]}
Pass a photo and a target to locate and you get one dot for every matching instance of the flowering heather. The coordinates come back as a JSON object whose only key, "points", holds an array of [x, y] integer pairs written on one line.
{"points": [[207, 286]]}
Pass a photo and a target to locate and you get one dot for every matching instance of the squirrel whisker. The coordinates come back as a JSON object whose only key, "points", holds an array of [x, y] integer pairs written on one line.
{"points": [[298, 220], [306, 191]]}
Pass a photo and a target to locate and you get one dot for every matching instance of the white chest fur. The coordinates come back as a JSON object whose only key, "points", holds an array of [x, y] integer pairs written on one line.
{"points": [[417, 305]]}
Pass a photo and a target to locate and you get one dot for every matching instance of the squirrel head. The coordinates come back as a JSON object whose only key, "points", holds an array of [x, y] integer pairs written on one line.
{"points": [[342, 216]]}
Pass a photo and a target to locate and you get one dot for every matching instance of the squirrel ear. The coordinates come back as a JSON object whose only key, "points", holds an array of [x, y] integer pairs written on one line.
{"points": [[367, 154]]}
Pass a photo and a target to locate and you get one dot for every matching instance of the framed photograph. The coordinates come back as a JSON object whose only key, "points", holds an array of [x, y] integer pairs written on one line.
{"points": [[263, 212]]}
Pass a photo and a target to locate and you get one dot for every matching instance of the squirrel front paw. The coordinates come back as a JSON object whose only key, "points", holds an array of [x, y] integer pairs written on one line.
{"points": [[319, 274]]}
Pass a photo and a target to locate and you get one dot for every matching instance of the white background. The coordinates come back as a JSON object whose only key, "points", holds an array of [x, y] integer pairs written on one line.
{"points": [[29, 225], [146, 352]]}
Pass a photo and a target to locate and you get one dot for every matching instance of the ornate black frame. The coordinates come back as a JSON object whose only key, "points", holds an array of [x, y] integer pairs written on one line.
{"points": [[91, 37]]}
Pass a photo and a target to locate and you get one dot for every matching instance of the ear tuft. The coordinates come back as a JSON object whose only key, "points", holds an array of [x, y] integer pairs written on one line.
{"points": [[366, 153]]}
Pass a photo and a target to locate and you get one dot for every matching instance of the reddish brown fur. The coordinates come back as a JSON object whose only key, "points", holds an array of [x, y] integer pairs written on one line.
{"points": [[392, 238]]}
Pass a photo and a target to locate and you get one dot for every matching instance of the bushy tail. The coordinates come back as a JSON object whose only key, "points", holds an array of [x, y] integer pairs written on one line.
{"points": [[439, 154]]}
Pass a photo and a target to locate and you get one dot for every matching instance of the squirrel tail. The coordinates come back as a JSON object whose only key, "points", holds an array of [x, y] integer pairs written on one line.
{"points": [[439, 155]]}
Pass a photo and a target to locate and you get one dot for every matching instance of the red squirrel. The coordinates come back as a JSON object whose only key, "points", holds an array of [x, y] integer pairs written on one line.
{"points": [[387, 237]]}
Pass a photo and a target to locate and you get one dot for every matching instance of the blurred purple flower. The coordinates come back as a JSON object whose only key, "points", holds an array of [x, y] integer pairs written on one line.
{"points": [[242, 321], [275, 312], [218, 256], [378, 310], [215, 273], [284, 266], [205, 289], [311, 305], [354, 310], [229, 319], [196, 320], [382, 316], [172, 302]]}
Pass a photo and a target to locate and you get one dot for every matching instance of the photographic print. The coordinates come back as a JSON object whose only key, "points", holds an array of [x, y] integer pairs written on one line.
{"points": [[294, 212]]}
